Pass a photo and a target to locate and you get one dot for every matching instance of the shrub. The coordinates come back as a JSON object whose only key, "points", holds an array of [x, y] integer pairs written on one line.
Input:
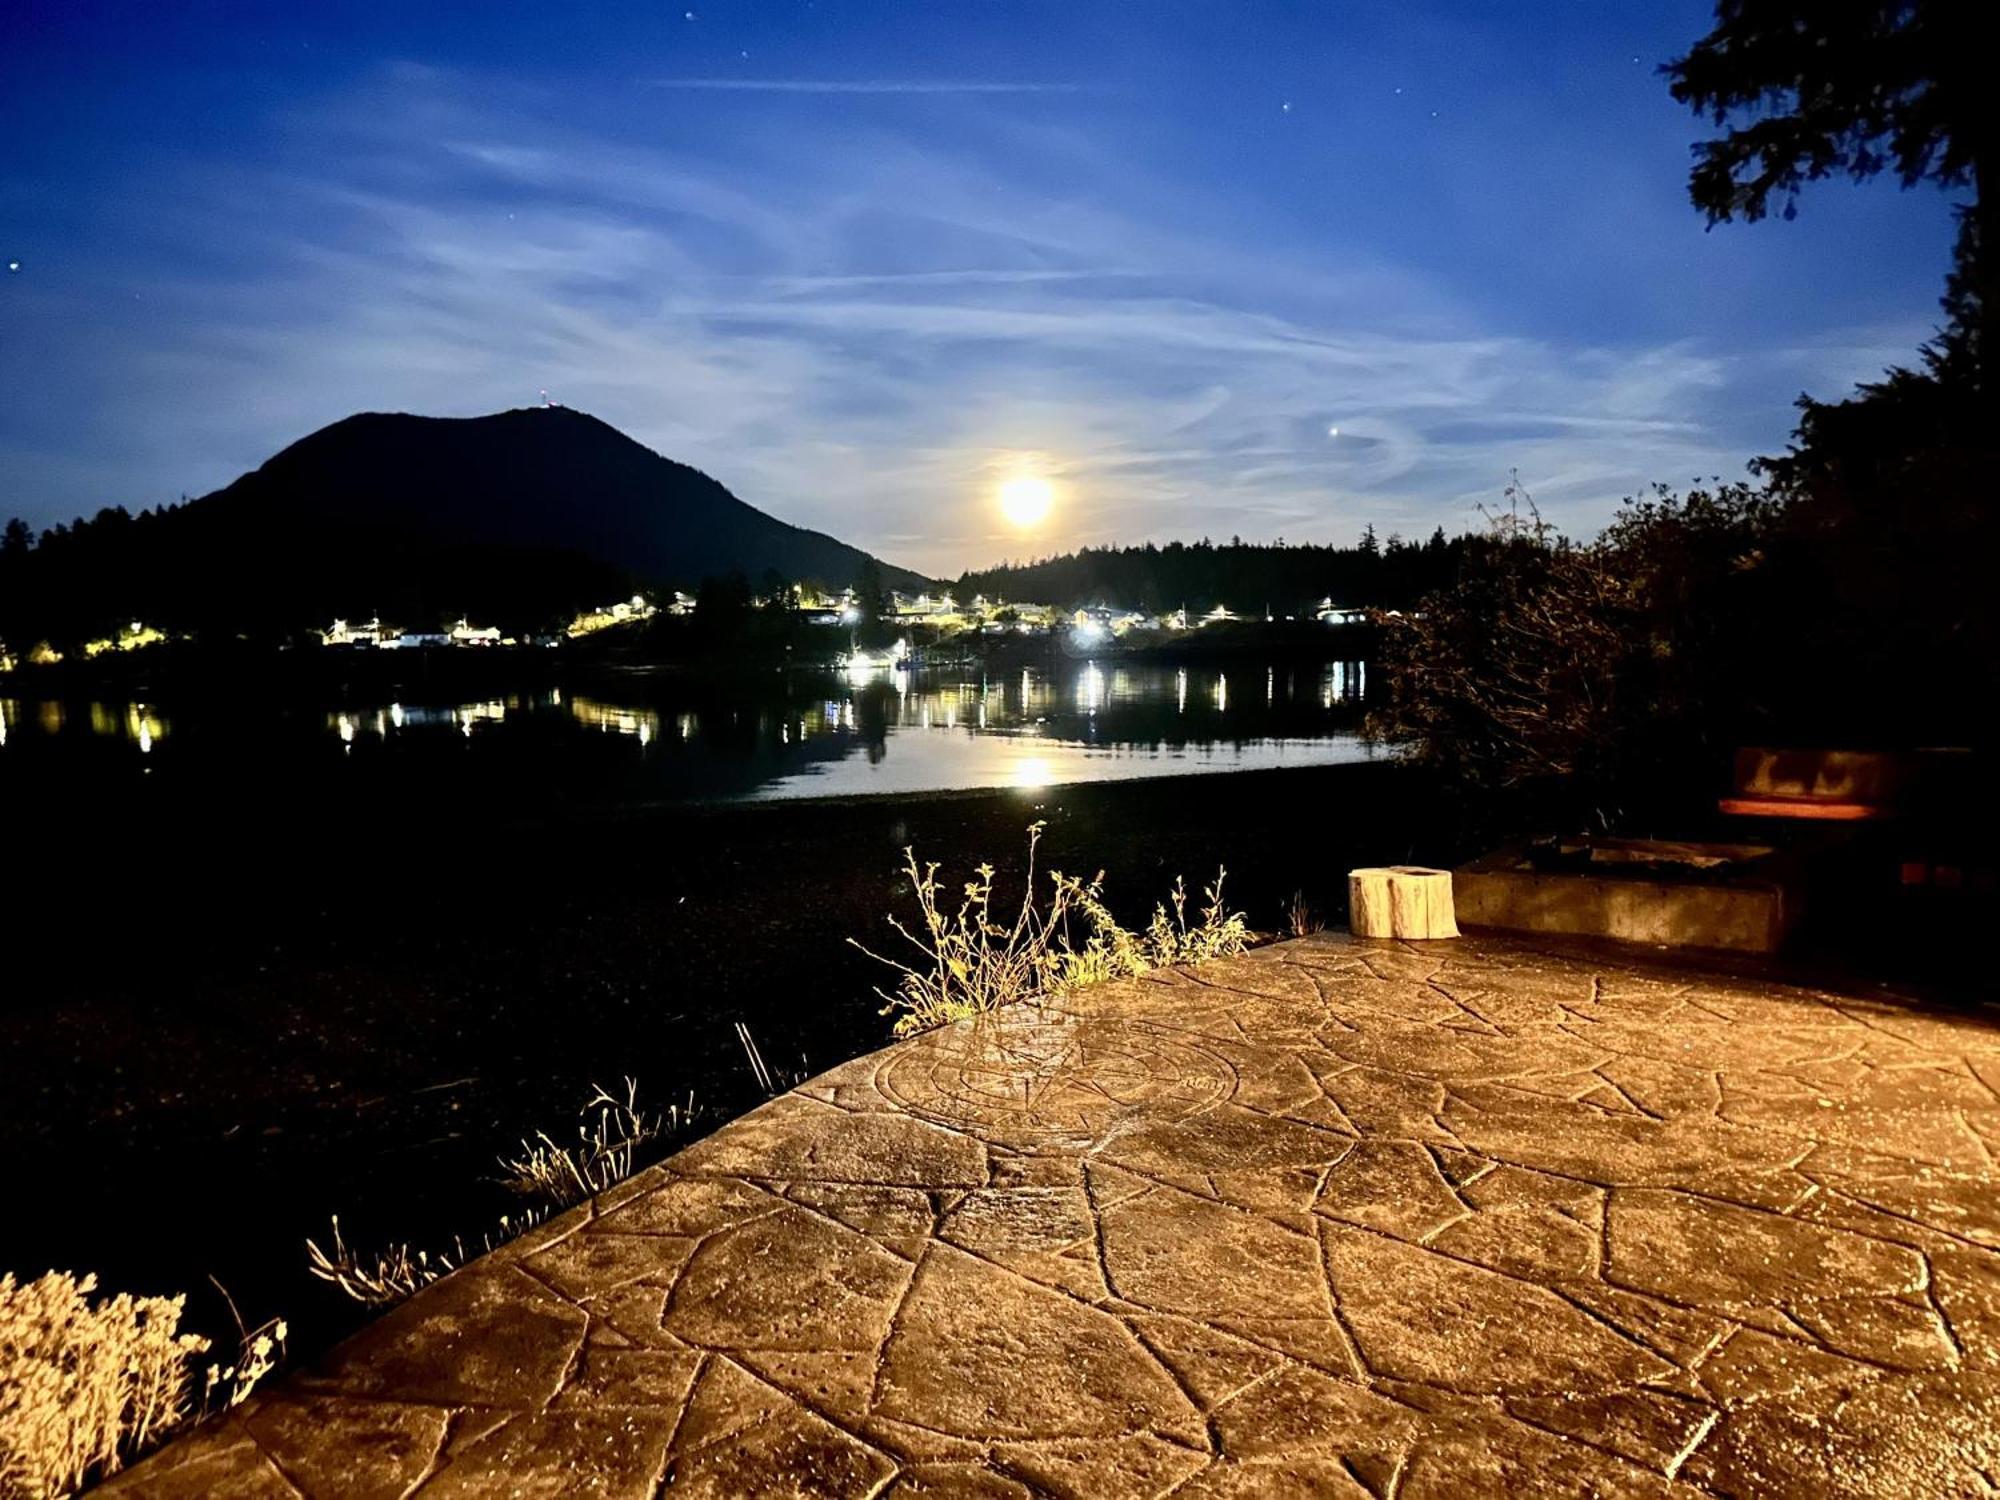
{"points": [[969, 963], [85, 1386], [1587, 684]]}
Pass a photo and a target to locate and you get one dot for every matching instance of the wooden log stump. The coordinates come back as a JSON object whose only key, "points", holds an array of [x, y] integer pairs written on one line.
{"points": [[1400, 901]]}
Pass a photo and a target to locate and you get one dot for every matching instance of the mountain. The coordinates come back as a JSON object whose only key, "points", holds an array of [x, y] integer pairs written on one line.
{"points": [[516, 517], [541, 477]]}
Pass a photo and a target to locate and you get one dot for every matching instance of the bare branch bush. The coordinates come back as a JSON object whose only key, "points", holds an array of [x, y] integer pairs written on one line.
{"points": [[1577, 682]]}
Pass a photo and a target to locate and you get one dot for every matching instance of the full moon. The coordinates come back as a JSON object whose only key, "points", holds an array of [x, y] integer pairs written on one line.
{"points": [[1025, 500]]}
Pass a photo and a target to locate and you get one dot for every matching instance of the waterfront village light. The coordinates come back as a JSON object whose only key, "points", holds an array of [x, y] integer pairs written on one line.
{"points": [[1025, 500]]}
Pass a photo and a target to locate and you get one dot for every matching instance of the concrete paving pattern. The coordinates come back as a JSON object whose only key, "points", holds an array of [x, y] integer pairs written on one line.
{"points": [[1336, 1218]]}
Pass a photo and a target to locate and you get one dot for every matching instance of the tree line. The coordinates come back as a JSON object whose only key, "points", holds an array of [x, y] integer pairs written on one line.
{"points": [[1247, 577]]}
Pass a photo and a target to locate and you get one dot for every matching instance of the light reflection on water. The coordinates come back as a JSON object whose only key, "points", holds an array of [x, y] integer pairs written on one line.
{"points": [[825, 734], [140, 725]]}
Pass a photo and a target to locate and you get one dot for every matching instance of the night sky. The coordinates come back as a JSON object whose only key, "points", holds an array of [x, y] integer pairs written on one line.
{"points": [[861, 261]]}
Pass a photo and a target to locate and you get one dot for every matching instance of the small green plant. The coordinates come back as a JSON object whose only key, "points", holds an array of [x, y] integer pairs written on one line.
{"points": [[969, 962], [1218, 933], [86, 1386]]}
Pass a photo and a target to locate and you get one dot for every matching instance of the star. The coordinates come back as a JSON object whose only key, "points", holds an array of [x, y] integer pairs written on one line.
{"points": [[13, 265], [1285, 108]]}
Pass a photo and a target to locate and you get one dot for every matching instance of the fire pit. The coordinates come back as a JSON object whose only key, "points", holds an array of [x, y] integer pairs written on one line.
{"points": [[1744, 897]]}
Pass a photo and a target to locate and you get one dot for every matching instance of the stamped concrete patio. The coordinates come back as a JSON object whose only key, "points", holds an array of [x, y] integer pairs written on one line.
{"points": [[1332, 1219]]}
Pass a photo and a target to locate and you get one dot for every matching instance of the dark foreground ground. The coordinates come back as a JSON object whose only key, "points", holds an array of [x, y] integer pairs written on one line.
{"points": [[225, 1023]]}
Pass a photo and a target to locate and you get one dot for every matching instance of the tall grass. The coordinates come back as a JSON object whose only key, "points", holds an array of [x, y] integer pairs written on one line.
{"points": [[969, 960]]}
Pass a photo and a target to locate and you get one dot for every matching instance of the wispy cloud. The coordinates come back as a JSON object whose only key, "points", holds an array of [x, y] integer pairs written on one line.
{"points": [[967, 276], [864, 345], [862, 86]]}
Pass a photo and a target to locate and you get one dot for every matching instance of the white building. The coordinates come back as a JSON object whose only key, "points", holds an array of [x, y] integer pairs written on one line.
{"points": [[364, 633], [922, 607]]}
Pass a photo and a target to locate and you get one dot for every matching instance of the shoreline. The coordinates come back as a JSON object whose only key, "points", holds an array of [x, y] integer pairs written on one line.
{"points": [[312, 674]]}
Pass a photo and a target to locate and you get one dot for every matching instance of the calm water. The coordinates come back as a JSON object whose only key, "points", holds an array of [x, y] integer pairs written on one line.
{"points": [[651, 738]]}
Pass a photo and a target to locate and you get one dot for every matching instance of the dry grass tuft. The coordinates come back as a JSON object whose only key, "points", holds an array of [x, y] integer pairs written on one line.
{"points": [[608, 1138], [1301, 919], [86, 1386], [971, 962], [382, 1277], [771, 1080]]}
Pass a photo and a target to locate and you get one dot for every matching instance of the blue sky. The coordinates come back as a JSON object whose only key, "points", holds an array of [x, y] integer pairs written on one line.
{"points": [[862, 261]]}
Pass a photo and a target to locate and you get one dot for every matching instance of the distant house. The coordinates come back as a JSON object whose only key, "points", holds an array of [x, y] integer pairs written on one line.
{"points": [[365, 633], [1098, 620], [638, 607], [467, 634], [1330, 615], [133, 637], [921, 606]]}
